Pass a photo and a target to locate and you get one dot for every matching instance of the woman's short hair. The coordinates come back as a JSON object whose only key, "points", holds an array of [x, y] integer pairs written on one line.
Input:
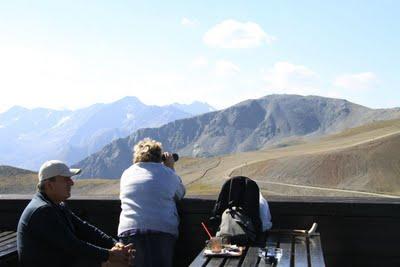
{"points": [[147, 150]]}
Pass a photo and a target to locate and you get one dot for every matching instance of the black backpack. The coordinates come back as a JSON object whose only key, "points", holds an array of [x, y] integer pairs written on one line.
{"points": [[239, 197]]}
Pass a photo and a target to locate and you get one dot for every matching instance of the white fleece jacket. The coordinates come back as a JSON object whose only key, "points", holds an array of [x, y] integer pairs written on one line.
{"points": [[148, 193]]}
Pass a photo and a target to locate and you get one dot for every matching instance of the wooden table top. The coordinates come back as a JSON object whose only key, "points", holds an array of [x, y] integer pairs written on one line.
{"points": [[297, 251]]}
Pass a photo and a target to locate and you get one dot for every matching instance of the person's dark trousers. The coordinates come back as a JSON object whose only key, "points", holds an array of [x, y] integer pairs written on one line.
{"points": [[152, 249]]}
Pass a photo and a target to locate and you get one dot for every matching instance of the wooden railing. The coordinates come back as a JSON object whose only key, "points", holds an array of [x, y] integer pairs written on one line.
{"points": [[354, 232]]}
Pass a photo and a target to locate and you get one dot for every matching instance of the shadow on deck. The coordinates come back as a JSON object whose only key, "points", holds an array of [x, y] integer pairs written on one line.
{"points": [[354, 232]]}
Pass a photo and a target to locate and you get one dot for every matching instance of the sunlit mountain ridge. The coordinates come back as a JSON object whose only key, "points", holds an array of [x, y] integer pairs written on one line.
{"points": [[29, 137], [248, 126]]}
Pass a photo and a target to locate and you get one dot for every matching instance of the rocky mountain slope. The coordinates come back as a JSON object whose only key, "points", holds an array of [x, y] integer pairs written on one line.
{"points": [[361, 159], [250, 125], [29, 137]]}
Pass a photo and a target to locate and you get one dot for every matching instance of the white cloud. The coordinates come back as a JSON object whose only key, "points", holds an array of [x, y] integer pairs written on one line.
{"points": [[189, 22], [285, 77], [358, 81], [200, 61], [225, 68], [234, 34]]}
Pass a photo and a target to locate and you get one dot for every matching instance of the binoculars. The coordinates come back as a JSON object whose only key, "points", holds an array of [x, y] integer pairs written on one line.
{"points": [[174, 155]]}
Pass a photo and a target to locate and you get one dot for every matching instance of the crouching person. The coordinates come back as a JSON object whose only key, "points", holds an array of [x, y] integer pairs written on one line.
{"points": [[49, 234]]}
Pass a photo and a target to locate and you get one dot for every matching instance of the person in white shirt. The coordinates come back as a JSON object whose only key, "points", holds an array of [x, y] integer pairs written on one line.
{"points": [[149, 219], [265, 214]]}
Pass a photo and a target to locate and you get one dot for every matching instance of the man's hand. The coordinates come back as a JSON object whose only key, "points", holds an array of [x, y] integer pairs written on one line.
{"points": [[169, 160], [122, 246], [128, 249], [120, 255]]}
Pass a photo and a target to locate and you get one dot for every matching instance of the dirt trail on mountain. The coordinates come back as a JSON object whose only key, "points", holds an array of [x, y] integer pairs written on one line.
{"points": [[371, 165], [324, 190]]}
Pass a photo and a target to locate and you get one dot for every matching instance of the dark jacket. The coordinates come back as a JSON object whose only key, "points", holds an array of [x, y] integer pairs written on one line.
{"points": [[50, 234]]}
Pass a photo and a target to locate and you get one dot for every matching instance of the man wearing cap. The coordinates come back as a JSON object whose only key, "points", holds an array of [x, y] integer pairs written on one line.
{"points": [[49, 234]]}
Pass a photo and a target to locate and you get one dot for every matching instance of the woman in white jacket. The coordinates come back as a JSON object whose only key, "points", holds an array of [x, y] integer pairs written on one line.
{"points": [[149, 218]]}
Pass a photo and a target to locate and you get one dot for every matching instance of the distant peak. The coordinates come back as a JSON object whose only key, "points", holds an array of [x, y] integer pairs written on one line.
{"points": [[196, 102], [14, 111], [195, 108], [16, 108], [129, 99]]}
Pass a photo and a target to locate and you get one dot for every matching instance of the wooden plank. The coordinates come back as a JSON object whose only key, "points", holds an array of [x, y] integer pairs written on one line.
{"points": [[8, 236], [12, 248], [8, 243], [236, 261], [5, 233], [200, 260], [233, 261], [300, 252], [271, 242], [316, 255], [263, 263], [285, 243], [216, 262], [251, 258], [8, 246]]}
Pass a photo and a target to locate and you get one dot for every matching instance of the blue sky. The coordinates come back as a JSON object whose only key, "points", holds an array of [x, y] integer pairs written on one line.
{"points": [[71, 54]]}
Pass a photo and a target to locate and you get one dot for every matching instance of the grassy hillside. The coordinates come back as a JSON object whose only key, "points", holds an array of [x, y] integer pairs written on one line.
{"points": [[373, 166], [20, 181], [362, 161]]}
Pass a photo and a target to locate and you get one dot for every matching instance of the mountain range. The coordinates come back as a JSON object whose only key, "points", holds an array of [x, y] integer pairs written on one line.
{"points": [[28, 137], [358, 162], [254, 124]]}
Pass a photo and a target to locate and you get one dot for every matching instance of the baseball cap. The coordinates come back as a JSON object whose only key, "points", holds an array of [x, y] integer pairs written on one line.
{"points": [[54, 168]]}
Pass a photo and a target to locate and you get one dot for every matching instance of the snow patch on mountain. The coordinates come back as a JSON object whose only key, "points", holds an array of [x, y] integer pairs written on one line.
{"points": [[62, 121]]}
